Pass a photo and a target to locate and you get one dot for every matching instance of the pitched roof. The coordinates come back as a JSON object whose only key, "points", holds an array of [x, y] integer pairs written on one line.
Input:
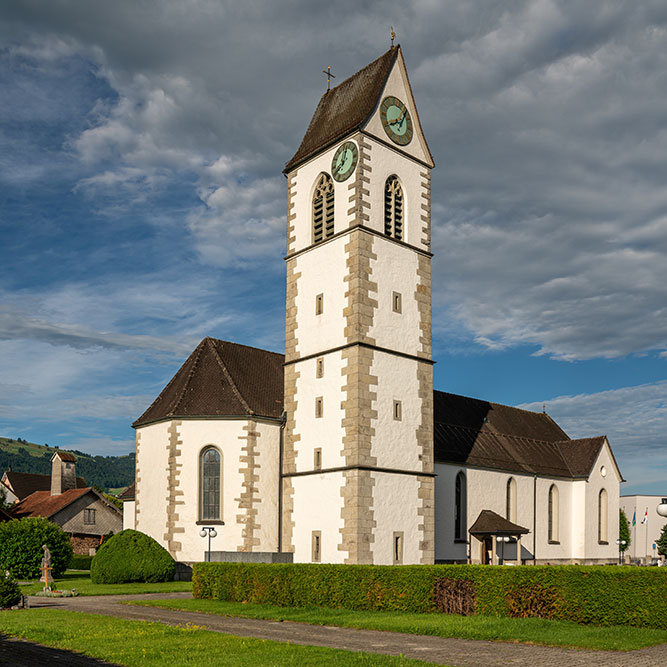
{"points": [[42, 503], [474, 432], [345, 108], [65, 456], [128, 494], [490, 523], [5, 515], [25, 483], [222, 379]]}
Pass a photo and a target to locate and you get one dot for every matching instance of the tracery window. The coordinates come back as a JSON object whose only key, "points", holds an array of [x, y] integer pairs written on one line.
{"points": [[602, 516], [209, 485], [554, 512], [510, 501], [460, 507], [393, 208], [323, 208]]}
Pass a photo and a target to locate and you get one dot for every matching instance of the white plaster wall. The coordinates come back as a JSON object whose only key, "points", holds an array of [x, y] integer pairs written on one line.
{"points": [[317, 506], [395, 442], [395, 270], [395, 503], [323, 270], [151, 484], [128, 515], [326, 432], [387, 162], [643, 535], [611, 483], [445, 547], [306, 178], [563, 550], [579, 520], [268, 462], [397, 86]]}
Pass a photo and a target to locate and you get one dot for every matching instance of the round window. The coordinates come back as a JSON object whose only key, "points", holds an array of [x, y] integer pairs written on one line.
{"points": [[603, 471]]}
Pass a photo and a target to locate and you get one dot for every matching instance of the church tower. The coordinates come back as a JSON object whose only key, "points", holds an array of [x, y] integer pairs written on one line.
{"points": [[357, 466]]}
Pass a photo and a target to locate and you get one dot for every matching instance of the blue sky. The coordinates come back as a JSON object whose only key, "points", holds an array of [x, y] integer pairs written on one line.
{"points": [[142, 204]]}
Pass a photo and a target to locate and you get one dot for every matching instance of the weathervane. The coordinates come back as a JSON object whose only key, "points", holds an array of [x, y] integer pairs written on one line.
{"points": [[393, 35], [330, 76]]}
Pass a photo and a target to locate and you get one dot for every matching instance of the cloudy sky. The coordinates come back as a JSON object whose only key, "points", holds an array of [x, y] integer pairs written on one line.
{"points": [[142, 204]]}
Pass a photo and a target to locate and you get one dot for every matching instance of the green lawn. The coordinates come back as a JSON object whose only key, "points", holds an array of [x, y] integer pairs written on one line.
{"points": [[141, 643], [80, 579], [529, 630]]}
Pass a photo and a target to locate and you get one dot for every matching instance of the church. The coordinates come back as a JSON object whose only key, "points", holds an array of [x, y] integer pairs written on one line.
{"points": [[340, 450]]}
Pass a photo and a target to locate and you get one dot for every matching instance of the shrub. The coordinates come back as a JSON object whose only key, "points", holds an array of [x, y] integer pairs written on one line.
{"points": [[10, 593], [597, 595], [131, 556], [21, 543], [80, 562]]}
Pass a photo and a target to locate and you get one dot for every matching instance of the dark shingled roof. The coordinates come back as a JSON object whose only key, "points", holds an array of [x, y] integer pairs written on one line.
{"points": [[345, 108], [222, 379], [65, 456], [42, 503], [128, 494], [25, 483], [473, 432], [490, 523]]}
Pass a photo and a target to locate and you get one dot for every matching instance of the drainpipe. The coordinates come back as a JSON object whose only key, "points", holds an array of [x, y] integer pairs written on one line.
{"points": [[534, 519], [283, 421]]}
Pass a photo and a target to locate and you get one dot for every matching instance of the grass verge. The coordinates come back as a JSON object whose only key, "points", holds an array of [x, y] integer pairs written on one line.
{"points": [[526, 630], [142, 643], [81, 581]]}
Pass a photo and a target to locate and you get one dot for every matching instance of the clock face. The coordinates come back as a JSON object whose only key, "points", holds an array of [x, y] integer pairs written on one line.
{"points": [[396, 120], [344, 161]]}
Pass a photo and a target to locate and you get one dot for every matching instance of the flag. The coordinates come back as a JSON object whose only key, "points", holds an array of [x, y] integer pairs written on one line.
{"points": [[645, 519], [634, 518]]}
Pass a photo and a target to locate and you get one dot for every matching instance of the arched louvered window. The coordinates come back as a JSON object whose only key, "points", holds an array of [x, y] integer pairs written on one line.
{"points": [[209, 485], [554, 511], [460, 504], [602, 516], [510, 501], [323, 208], [393, 208]]}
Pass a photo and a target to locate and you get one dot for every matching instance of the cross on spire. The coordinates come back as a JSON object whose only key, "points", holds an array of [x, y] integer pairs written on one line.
{"points": [[330, 76], [393, 35]]}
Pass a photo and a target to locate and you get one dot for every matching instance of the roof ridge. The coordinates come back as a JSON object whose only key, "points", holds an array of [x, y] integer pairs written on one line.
{"points": [[558, 443], [186, 384], [250, 347], [227, 374]]}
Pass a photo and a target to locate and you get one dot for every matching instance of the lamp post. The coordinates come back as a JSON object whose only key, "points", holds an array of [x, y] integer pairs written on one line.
{"points": [[502, 540], [621, 550], [211, 532], [661, 509]]}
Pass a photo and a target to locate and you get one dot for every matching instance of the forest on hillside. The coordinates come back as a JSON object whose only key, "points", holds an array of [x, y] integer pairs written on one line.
{"points": [[106, 472]]}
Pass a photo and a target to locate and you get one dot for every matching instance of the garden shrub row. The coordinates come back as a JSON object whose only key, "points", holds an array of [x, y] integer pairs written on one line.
{"points": [[597, 595], [80, 562]]}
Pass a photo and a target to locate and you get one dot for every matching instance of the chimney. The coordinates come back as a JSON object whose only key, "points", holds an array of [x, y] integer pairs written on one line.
{"points": [[63, 472]]}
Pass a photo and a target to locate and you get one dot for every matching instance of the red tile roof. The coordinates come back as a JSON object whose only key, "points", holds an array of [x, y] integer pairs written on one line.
{"points": [[42, 503], [222, 379], [345, 108], [25, 483], [65, 456]]}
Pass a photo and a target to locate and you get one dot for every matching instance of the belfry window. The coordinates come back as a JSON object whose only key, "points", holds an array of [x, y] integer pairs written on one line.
{"points": [[393, 208], [209, 485], [323, 208]]}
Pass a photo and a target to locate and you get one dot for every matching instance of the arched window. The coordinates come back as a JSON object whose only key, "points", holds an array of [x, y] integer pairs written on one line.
{"points": [[553, 514], [209, 485], [460, 504], [602, 516], [323, 208], [510, 500], [393, 208]]}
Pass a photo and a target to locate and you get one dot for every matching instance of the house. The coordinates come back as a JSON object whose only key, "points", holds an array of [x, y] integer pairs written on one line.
{"points": [[340, 450], [645, 525], [79, 510]]}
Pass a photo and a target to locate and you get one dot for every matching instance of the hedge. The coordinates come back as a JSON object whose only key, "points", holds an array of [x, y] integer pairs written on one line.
{"points": [[80, 562], [131, 556], [597, 595]]}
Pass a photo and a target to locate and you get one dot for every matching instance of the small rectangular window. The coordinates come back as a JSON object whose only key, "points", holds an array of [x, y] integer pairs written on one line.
{"points": [[319, 304], [319, 407], [398, 548], [396, 302], [317, 458], [317, 546], [398, 411], [89, 517], [319, 368]]}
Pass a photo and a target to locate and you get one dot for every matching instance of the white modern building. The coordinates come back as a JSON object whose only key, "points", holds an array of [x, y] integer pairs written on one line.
{"points": [[645, 524], [340, 450]]}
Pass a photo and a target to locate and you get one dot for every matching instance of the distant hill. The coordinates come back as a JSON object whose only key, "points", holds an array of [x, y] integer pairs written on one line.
{"points": [[107, 472]]}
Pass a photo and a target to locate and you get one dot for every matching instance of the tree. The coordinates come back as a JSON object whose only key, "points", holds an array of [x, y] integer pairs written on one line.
{"points": [[662, 541], [623, 531]]}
